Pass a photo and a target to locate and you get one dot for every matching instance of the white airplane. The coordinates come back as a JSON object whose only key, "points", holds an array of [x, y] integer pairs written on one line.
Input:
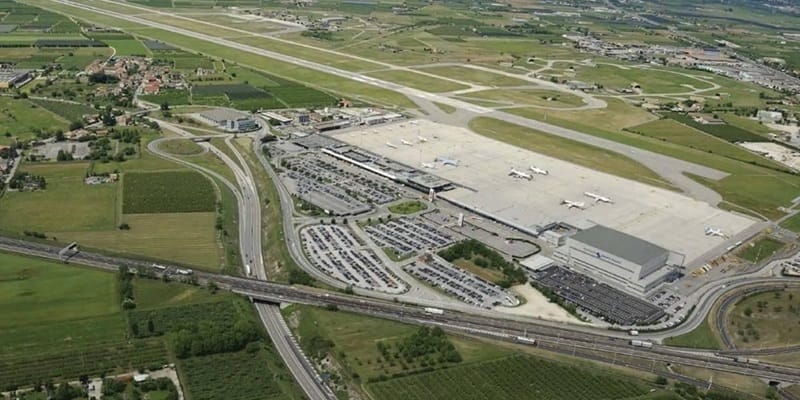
{"points": [[413, 122], [573, 204], [392, 145], [519, 174], [406, 142], [422, 139], [598, 198], [539, 170], [447, 161], [429, 165], [715, 232]]}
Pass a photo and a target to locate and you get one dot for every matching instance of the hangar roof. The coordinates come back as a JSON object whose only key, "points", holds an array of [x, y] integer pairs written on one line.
{"points": [[620, 244]]}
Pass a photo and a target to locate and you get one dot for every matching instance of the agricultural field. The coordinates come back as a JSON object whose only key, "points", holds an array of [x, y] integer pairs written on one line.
{"points": [[172, 97], [492, 380], [91, 207], [63, 322], [673, 131], [565, 149], [761, 249], [167, 192], [22, 120], [67, 111], [127, 47], [730, 133], [184, 238], [763, 320]]}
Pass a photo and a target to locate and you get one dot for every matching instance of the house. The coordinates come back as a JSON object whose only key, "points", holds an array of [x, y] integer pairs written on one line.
{"points": [[769, 116]]}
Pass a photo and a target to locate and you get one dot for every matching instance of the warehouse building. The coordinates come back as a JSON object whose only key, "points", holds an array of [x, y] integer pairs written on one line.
{"points": [[618, 259], [10, 78], [229, 120]]}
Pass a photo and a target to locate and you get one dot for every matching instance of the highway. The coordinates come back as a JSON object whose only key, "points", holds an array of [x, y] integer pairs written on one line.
{"points": [[562, 338], [250, 246]]}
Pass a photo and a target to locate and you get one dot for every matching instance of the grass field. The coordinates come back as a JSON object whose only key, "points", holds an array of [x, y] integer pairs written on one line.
{"points": [[566, 149], [167, 192], [21, 119], [651, 80], [180, 147], [792, 223], [761, 249], [66, 204], [418, 81], [493, 380], [769, 319], [446, 107], [476, 76], [68, 111], [527, 97], [188, 238], [617, 116], [491, 275], [408, 207]]}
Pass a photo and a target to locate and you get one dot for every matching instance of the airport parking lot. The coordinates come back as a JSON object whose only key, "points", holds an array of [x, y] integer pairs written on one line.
{"points": [[337, 252], [408, 235], [328, 197], [599, 299], [461, 284]]}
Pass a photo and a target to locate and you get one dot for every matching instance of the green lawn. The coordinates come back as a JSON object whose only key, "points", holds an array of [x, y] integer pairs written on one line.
{"points": [[761, 249], [769, 319], [418, 81], [566, 149], [66, 204], [702, 337], [180, 147], [445, 107], [792, 223], [651, 80], [408, 207]]}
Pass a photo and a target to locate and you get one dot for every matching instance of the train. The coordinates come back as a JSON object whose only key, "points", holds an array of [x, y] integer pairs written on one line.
{"points": [[526, 340], [642, 343], [745, 360], [436, 311]]}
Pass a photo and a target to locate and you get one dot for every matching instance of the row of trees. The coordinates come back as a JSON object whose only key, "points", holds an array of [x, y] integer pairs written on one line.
{"points": [[203, 339], [425, 342], [126, 289], [26, 180]]}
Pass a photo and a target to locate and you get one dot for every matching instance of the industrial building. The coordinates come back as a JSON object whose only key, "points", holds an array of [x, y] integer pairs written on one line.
{"points": [[10, 78], [229, 120], [618, 259]]}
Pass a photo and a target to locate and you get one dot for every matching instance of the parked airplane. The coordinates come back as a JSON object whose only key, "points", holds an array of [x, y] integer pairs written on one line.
{"points": [[392, 145], [715, 232], [598, 198], [406, 142], [447, 161], [429, 165], [422, 139], [539, 170], [573, 204], [519, 174]]}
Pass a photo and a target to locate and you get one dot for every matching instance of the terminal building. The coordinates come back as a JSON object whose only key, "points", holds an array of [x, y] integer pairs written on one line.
{"points": [[231, 121], [618, 259]]}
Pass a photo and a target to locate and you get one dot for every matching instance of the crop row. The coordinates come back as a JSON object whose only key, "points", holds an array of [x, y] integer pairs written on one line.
{"points": [[167, 192], [232, 376], [91, 359], [531, 378]]}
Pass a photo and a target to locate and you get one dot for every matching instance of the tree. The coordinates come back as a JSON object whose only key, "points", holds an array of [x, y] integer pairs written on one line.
{"points": [[165, 106], [150, 327]]}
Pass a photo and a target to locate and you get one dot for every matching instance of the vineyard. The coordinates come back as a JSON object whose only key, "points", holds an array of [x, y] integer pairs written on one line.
{"points": [[68, 111], [167, 192], [509, 378], [91, 358], [232, 376]]}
